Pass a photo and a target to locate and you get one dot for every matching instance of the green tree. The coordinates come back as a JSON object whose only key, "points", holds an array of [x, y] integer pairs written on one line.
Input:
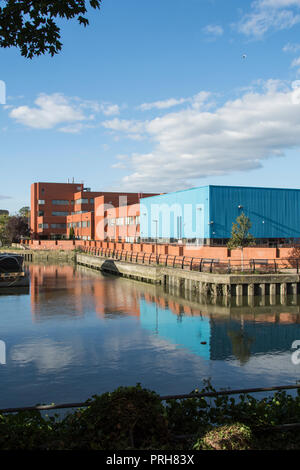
{"points": [[4, 240], [31, 26], [71, 234], [25, 212], [240, 236], [17, 228]]}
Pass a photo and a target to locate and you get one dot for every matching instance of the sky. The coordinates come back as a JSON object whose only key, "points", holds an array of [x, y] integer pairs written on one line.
{"points": [[157, 96]]}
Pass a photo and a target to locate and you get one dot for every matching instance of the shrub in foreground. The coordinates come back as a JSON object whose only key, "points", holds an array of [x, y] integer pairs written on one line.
{"points": [[132, 418]]}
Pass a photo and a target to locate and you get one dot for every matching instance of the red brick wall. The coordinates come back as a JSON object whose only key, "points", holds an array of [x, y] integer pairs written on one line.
{"points": [[172, 250]]}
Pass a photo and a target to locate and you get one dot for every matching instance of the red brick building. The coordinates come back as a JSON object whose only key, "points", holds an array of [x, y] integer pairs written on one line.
{"points": [[51, 203], [123, 223], [56, 208], [112, 206]]}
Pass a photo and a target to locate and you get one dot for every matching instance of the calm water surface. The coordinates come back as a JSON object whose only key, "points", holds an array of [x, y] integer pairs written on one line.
{"points": [[77, 333]]}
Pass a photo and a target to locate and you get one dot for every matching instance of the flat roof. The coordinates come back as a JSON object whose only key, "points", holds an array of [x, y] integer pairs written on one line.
{"points": [[226, 186]]}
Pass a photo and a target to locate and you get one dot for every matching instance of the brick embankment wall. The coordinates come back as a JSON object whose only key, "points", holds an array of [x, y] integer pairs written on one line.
{"points": [[221, 253]]}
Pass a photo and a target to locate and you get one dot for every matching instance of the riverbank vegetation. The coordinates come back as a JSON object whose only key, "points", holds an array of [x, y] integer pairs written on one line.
{"points": [[134, 418], [14, 227]]}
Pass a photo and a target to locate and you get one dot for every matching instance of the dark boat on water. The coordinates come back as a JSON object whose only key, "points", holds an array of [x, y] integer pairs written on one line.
{"points": [[11, 263], [11, 271]]}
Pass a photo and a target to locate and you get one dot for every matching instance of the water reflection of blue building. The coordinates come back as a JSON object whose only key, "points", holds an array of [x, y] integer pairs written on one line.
{"points": [[187, 332], [234, 337], [215, 338]]}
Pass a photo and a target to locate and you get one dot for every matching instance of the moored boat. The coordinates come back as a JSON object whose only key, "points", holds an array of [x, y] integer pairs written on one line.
{"points": [[11, 271], [11, 263]]}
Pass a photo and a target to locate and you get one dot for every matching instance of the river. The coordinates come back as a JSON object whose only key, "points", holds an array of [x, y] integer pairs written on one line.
{"points": [[77, 333]]}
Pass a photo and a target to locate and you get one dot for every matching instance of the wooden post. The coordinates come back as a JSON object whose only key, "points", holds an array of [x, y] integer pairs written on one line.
{"points": [[239, 294]]}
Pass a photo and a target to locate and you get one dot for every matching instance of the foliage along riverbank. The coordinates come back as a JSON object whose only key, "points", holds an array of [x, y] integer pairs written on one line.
{"points": [[134, 418]]}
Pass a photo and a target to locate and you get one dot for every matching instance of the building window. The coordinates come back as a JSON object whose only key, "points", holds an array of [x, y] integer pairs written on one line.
{"points": [[43, 226], [81, 201], [58, 225], [40, 213], [41, 201], [60, 202], [60, 214], [120, 221], [129, 220]]}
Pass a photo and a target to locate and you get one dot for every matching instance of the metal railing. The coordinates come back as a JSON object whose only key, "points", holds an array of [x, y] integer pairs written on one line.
{"points": [[188, 263], [195, 394]]}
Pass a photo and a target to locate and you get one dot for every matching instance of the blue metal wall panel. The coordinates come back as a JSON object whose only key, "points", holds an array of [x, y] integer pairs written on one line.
{"points": [[182, 214], [274, 213]]}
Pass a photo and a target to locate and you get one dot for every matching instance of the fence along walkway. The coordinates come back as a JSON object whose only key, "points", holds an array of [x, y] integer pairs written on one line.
{"points": [[162, 398], [254, 266]]}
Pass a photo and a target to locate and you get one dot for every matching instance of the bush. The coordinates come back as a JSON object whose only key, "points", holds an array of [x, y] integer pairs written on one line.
{"points": [[132, 418], [128, 418], [229, 437]]}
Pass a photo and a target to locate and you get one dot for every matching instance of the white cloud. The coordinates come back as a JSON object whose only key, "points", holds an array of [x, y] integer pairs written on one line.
{"points": [[197, 101], [164, 104], [277, 3], [213, 30], [294, 48], [269, 15], [133, 129], [296, 62], [118, 165], [49, 111], [110, 109], [194, 143], [56, 109], [75, 128]]}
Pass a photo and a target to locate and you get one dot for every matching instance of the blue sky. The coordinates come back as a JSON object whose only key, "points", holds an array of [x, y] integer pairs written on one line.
{"points": [[157, 96]]}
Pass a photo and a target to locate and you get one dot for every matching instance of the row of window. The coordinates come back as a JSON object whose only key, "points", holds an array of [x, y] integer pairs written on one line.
{"points": [[61, 213], [134, 220], [80, 212], [56, 202], [65, 202], [83, 224], [84, 201], [42, 226]]}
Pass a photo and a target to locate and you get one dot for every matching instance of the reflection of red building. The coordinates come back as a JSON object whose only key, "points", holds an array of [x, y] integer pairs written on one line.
{"points": [[115, 296], [50, 283], [106, 295]]}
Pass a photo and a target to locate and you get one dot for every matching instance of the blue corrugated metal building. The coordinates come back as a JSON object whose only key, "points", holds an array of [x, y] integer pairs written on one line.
{"points": [[204, 215]]}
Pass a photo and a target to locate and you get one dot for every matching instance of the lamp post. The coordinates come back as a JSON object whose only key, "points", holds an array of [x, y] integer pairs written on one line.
{"points": [[156, 222]]}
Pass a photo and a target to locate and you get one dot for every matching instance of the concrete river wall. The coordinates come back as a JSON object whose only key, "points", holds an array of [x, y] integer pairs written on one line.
{"points": [[207, 284]]}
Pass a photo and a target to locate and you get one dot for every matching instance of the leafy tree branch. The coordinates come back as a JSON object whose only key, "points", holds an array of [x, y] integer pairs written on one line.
{"points": [[31, 25]]}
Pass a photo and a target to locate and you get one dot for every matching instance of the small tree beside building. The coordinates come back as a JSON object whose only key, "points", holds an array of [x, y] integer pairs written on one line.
{"points": [[240, 235], [72, 234]]}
